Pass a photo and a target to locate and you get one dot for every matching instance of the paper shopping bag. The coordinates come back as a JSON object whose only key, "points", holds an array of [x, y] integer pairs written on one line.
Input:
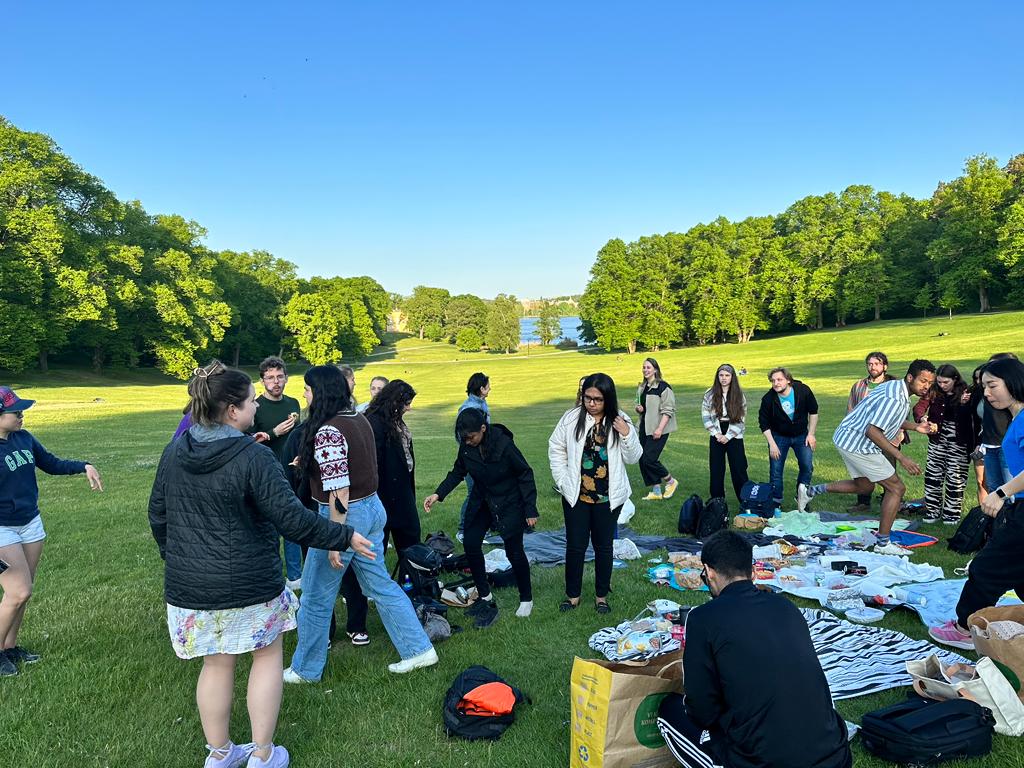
{"points": [[615, 712]]}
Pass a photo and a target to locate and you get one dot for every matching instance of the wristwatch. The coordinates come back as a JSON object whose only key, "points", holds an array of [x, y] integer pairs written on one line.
{"points": [[1000, 493]]}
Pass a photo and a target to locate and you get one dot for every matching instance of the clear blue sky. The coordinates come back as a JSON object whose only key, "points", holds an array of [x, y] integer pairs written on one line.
{"points": [[488, 147]]}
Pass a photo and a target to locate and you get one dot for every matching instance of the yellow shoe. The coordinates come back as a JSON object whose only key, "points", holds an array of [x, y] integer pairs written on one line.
{"points": [[670, 488], [652, 496]]}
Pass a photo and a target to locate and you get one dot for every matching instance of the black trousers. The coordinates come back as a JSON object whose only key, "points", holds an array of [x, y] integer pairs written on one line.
{"points": [[406, 533], [998, 567], [690, 744], [511, 530], [596, 523], [717, 453], [651, 468]]}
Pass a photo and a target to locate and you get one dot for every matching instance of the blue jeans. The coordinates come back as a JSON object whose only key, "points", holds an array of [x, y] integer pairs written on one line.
{"points": [[996, 471], [465, 504], [292, 559], [320, 590], [804, 457]]}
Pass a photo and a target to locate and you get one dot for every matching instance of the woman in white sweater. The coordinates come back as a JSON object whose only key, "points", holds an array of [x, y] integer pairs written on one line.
{"points": [[588, 453]]}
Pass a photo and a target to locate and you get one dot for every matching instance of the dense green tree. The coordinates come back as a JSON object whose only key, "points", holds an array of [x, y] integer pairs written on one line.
{"points": [[609, 303], [503, 324], [313, 321], [469, 340], [425, 306], [549, 323], [464, 311], [970, 210]]}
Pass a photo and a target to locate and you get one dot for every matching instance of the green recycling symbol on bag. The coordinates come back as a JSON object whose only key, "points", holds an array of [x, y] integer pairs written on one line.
{"points": [[645, 721]]}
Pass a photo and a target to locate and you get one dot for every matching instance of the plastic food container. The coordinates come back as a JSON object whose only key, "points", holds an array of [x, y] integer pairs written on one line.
{"points": [[865, 615]]}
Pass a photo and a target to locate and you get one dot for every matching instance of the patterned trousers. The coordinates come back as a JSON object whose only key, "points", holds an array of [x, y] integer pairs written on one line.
{"points": [[946, 469]]}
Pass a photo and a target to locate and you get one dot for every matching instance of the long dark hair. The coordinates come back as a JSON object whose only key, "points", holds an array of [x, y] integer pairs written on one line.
{"points": [[389, 404], [948, 371], [212, 389], [331, 396], [603, 383], [734, 407]]}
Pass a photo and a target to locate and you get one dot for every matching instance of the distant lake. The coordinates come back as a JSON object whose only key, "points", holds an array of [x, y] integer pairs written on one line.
{"points": [[528, 330]]}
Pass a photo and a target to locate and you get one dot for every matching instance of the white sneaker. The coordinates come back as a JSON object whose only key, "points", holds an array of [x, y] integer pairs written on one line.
{"points": [[524, 609], [294, 584], [426, 659], [892, 548], [802, 497], [291, 676]]}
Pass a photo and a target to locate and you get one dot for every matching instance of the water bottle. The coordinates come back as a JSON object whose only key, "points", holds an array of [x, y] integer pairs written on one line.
{"points": [[407, 584]]}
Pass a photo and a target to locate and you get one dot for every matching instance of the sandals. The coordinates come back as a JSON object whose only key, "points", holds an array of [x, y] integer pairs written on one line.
{"points": [[602, 607], [358, 638], [568, 605]]}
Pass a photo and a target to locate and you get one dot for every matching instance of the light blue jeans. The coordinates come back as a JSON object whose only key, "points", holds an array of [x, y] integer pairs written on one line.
{"points": [[996, 471], [320, 590]]}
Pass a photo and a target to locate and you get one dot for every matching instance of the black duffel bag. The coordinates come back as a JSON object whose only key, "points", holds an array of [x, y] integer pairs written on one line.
{"points": [[973, 533], [925, 732]]}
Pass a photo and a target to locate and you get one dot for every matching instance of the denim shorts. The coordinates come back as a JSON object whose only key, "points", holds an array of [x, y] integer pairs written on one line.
{"points": [[22, 534]]}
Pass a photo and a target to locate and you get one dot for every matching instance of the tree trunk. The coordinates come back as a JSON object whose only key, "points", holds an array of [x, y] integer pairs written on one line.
{"points": [[631, 347], [821, 319], [238, 351], [421, 333], [878, 307], [983, 298], [97, 358], [43, 362]]}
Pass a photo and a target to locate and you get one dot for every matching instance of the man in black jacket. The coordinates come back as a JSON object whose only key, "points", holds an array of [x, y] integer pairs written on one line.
{"points": [[788, 418], [755, 692]]}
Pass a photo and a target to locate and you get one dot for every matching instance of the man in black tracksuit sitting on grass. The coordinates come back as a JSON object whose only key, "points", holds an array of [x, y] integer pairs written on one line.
{"points": [[755, 693]]}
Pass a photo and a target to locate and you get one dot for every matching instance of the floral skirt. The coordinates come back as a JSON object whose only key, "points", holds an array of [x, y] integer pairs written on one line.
{"points": [[197, 633]]}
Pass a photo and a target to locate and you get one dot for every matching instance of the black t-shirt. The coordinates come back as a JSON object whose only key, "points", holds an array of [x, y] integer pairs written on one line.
{"points": [[269, 415]]}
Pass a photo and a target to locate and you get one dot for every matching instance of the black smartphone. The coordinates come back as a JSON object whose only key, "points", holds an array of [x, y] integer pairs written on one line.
{"points": [[3, 566]]}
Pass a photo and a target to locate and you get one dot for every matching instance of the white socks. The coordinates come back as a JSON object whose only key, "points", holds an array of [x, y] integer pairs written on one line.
{"points": [[524, 610]]}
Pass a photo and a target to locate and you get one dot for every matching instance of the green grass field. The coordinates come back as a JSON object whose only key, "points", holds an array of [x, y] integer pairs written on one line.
{"points": [[110, 692]]}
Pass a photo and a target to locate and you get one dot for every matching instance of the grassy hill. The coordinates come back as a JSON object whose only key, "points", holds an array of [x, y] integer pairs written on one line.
{"points": [[110, 691]]}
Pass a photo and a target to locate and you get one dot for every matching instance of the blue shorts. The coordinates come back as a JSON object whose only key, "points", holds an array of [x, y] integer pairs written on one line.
{"points": [[22, 534]]}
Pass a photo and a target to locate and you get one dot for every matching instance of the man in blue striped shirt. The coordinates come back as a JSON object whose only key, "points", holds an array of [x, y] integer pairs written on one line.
{"points": [[864, 440]]}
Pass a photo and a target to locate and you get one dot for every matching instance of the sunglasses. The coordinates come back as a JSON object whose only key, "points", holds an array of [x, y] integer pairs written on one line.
{"points": [[704, 577], [18, 414]]}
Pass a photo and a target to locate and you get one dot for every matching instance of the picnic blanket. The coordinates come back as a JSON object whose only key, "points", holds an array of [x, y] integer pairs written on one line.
{"points": [[860, 660], [940, 598], [807, 524]]}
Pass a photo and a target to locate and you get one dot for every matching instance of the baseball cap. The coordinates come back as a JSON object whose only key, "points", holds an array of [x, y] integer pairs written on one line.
{"points": [[9, 401]]}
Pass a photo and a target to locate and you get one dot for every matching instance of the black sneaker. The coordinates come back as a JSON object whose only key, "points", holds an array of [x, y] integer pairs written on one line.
{"points": [[487, 615], [7, 666], [17, 653], [479, 607]]}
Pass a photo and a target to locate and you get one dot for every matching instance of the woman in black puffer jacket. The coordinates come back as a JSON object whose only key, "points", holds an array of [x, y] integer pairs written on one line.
{"points": [[504, 493], [218, 504]]}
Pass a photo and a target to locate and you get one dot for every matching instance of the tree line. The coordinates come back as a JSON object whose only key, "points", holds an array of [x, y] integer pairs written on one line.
{"points": [[857, 255]]}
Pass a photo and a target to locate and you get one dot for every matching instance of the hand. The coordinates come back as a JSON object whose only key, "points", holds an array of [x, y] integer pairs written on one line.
{"points": [[430, 501], [531, 521], [774, 452], [260, 437], [94, 477], [723, 439], [811, 442], [923, 426], [965, 397], [621, 426], [361, 545], [657, 434], [992, 504], [639, 409], [912, 467], [334, 558], [284, 427]]}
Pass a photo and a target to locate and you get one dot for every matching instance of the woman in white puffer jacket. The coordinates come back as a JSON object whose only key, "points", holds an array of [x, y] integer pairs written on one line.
{"points": [[588, 453]]}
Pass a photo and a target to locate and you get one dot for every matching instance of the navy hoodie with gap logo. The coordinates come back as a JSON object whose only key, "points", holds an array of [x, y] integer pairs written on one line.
{"points": [[20, 454]]}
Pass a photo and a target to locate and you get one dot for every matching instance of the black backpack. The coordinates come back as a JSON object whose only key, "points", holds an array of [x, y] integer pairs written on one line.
{"points": [[417, 571], [689, 514], [756, 499], [713, 517], [466, 725], [924, 732], [973, 532]]}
